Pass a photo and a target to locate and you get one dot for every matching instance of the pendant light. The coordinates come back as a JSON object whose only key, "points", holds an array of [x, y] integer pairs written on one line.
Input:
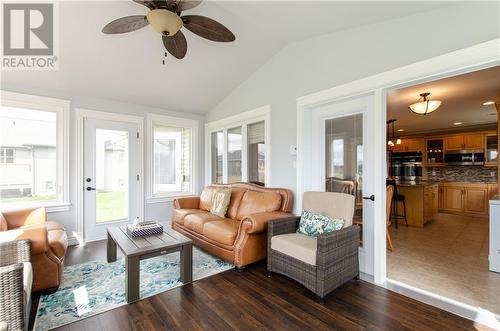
{"points": [[425, 106], [393, 140]]}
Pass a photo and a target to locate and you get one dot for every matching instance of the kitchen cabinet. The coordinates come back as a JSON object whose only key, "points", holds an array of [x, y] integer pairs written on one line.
{"points": [[492, 190], [464, 141], [469, 198], [491, 150], [440, 196], [434, 152], [410, 145], [421, 203], [453, 198], [476, 200]]}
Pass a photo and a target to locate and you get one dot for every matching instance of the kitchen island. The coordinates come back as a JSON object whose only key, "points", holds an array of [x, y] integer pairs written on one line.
{"points": [[421, 200]]}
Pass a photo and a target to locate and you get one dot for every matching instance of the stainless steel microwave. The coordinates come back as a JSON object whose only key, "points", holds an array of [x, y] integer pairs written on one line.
{"points": [[471, 157]]}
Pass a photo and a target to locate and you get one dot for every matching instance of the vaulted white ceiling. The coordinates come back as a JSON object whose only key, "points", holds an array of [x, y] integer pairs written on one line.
{"points": [[129, 68]]}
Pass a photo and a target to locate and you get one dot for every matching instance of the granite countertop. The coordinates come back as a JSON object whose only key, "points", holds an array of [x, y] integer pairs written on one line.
{"points": [[420, 183]]}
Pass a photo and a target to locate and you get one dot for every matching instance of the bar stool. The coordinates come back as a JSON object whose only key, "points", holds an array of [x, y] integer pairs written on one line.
{"points": [[396, 198]]}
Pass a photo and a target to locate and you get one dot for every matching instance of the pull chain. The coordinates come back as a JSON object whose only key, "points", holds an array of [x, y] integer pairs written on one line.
{"points": [[165, 56]]}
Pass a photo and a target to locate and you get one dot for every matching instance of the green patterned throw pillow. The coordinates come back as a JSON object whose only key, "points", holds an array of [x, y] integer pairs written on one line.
{"points": [[314, 224]]}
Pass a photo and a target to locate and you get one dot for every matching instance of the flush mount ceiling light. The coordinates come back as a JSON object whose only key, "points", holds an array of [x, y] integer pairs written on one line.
{"points": [[401, 130], [487, 103], [425, 106], [458, 123]]}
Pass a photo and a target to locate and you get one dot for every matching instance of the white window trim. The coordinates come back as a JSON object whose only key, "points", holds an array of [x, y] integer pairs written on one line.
{"points": [[243, 119], [151, 120], [61, 108]]}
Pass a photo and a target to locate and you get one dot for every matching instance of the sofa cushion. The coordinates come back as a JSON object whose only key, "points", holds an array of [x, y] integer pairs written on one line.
{"points": [[58, 240], [221, 202], [195, 222], [236, 196], [207, 197], [223, 231], [296, 245], [179, 214], [258, 202]]}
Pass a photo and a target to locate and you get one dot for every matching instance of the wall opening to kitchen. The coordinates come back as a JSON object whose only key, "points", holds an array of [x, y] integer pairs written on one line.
{"points": [[442, 166]]}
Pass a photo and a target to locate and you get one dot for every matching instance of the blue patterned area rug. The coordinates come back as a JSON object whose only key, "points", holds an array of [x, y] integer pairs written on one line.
{"points": [[91, 288]]}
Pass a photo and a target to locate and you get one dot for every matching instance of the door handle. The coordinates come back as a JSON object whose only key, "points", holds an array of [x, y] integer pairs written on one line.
{"points": [[90, 188], [371, 197]]}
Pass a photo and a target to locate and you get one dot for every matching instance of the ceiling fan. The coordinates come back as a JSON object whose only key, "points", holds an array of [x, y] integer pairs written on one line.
{"points": [[165, 17]]}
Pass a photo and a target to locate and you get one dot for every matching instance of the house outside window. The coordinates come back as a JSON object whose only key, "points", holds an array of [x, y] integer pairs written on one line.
{"points": [[33, 151]]}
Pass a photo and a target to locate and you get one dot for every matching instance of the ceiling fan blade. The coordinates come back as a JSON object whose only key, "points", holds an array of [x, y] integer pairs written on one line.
{"points": [[147, 3], [207, 28], [188, 4], [125, 24], [176, 44]]}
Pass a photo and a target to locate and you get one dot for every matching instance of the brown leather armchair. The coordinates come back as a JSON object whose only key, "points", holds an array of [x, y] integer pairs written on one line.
{"points": [[49, 243]]}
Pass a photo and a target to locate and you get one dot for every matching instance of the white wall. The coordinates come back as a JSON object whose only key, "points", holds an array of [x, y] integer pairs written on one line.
{"points": [[152, 211], [333, 59]]}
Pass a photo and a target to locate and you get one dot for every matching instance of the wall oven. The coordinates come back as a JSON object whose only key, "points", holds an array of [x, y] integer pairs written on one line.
{"points": [[459, 158], [406, 166]]}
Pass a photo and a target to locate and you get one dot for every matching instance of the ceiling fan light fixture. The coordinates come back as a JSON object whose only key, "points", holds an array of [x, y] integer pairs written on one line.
{"points": [[164, 21], [425, 106]]}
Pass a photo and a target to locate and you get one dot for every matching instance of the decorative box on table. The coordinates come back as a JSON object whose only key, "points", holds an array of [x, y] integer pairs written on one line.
{"points": [[144, 229]]}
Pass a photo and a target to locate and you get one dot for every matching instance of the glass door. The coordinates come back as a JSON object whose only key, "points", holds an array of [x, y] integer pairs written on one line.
{"points": [[344, 159], [110, 176]]}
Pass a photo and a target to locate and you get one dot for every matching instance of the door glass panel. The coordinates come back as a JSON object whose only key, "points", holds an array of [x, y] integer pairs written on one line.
{"points": [[112, 175], [344, 158], [234, 140], [256, 152], [217, 150]]}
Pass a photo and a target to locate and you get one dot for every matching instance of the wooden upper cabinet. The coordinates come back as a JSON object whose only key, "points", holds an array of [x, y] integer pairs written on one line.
{"points": [[474, 141], [453, 143], [410, 145], [464, 141]]}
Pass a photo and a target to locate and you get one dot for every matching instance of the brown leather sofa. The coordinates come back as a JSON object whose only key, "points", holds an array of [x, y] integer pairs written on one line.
{"points": [[240, 237], [48, 243]]}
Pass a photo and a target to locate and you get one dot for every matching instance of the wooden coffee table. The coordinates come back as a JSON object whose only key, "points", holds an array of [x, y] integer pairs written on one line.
{"points": [[136, 249]]}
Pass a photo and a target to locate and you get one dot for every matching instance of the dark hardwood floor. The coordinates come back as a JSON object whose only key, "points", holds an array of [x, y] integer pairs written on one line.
{"points": [[251, 301]]}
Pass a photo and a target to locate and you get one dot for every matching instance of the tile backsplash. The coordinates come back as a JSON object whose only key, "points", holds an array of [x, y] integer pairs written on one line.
{"points": [[462, 174]]}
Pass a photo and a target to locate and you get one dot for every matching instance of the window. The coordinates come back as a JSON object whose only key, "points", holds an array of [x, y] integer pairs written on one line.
{"points": [[338, 158], [216, 156], [171, 156], [237, 148], [6, 155], [33, 152], [234, 155], [256, 152]]}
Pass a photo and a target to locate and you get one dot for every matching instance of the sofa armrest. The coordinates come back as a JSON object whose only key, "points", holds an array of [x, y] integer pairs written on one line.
{"points": [[36, 234], [257, 223], [282, 226], [11, 252], [25, 217], [187, 203], [343, 237]]}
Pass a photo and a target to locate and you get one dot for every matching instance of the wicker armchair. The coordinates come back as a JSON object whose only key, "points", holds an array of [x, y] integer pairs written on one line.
{"points": [[16, 278], [321, 264]]}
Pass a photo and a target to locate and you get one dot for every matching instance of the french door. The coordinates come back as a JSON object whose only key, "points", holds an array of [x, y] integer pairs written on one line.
{"points": [[338, 155], [111, 182]]}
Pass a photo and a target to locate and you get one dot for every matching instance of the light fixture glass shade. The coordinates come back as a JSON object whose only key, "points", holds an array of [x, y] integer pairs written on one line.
{"points": [[398, 141], [164, 21], [390, 143], [425, 107]]}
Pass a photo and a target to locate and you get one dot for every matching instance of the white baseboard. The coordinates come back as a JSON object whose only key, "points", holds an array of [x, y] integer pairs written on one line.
{"points": [[476, 314]]}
